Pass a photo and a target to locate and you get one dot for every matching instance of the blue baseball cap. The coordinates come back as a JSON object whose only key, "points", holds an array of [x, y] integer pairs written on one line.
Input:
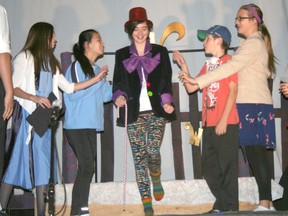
{"points": [[218, 30]]}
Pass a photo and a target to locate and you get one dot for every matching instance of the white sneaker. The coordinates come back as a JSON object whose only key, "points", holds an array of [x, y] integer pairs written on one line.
{"points": [[84, 211], [272, 208], [262, 208]]}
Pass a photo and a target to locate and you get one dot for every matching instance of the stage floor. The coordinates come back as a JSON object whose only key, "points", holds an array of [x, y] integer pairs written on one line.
{"points": [[182, 197], [167, 210], [177, 192]]}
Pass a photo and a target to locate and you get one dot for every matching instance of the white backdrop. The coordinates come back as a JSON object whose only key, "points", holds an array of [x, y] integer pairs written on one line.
{"points": [[70, 17]]}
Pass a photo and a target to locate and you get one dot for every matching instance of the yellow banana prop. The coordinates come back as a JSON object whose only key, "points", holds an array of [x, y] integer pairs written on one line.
{"points": [[173, 27]]}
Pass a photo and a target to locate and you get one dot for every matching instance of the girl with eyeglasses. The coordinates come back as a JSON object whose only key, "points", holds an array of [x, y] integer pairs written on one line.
{"points": [[255, 62]]}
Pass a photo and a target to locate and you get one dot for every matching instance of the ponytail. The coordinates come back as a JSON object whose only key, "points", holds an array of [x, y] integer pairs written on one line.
{"points": [[255, 11], [271, 57], [78, 51]]}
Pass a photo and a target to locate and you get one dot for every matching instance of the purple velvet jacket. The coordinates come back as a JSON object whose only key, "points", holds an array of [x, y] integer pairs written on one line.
{"points": [[127, 80]]}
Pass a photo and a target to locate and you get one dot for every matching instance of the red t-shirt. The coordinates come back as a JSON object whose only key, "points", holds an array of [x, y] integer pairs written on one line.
{"points": [[214, 96]]}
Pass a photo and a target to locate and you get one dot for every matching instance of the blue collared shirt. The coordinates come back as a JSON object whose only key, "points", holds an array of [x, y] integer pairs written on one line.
{"points": [[85, 108]]}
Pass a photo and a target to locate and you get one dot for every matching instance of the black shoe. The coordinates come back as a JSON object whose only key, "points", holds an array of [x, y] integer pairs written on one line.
{"points": [[149, 212], [229, 211]]}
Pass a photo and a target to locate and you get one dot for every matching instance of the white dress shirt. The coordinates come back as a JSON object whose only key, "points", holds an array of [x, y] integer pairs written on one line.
{"points": [[4, 32]]}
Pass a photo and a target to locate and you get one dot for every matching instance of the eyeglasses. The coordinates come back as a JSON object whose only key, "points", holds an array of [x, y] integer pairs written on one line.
{"points": [[242, 18]]}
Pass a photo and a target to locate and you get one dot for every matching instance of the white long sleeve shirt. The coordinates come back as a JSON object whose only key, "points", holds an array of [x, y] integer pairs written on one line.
{"points": [[4, 32], [24, 78]]}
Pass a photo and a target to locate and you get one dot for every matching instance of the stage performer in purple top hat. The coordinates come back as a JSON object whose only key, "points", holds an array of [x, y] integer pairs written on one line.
{"points": [[142, 82]]}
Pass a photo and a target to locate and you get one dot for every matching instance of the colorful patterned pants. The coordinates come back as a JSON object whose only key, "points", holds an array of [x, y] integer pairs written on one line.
{"points": [[145, 137]]}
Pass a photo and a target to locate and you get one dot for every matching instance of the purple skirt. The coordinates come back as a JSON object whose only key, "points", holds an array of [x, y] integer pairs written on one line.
{"points": [[257, 125]]}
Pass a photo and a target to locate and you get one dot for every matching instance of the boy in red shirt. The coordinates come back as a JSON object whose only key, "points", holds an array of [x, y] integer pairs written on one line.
{"points": [[219, 119]]}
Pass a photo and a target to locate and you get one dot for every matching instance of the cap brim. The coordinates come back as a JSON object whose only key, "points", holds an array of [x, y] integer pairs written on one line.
{"points": [[201, 34]]}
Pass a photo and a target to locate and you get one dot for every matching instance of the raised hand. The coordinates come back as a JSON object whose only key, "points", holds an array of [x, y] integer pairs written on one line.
{"points": [[178, 58], [189, 82], [186, 78], [102, 74]]}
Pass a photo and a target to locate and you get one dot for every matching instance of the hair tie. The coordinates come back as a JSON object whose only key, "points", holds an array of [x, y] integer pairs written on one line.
{"points": [[252, 10]]}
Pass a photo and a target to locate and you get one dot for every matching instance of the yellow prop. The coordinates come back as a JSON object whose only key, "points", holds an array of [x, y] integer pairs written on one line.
{"points": [[195, 137], [171, 28]]}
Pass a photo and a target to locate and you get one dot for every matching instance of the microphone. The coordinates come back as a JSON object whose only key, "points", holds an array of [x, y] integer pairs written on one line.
{"points": [[56, 107]]}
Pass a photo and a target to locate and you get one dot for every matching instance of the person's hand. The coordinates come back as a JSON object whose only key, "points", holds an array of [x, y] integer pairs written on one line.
{"points": [[120, 101], [186, 78], [178, 58], [284, 89], [183, 77], [221, 127], [102, 74], [42, 101], [168, 108], [8, 106]]}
